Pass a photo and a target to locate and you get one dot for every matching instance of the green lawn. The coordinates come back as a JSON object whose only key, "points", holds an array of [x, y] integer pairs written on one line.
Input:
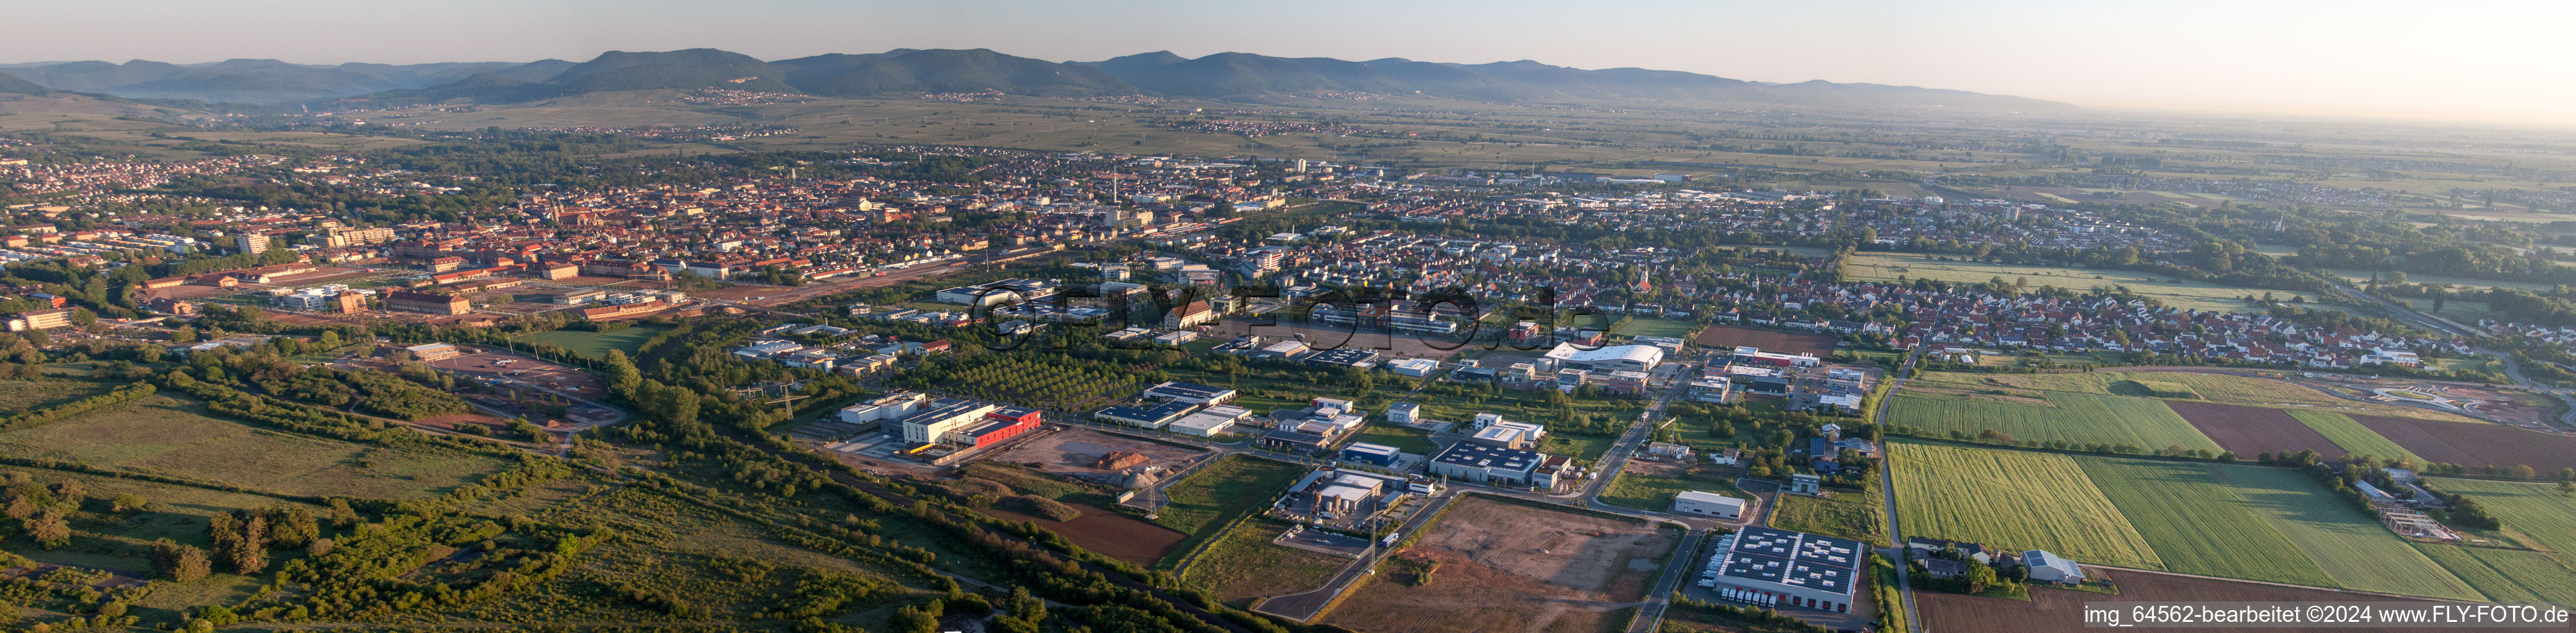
{"points": [[597, 344], [167, 435], [1234, 486], [2072, 417], [1855, 515], [1403, 438], [2352, 436], [1246, 566], [1993, 497], [1588, 448], [1656, 493]]}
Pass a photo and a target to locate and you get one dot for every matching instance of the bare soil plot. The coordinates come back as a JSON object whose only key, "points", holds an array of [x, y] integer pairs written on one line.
{"points": [[1073, 450], [1725, 336], [2253, 430], [2476, 443], [2063, 610], [1107, 533], [1503, 566]]}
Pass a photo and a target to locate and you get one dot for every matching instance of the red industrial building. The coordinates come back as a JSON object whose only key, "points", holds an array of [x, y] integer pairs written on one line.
{"points": [[999, 424]]}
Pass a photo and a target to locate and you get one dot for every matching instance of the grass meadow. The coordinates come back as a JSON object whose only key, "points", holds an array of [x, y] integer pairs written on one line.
{"points": [[2173, 292], [1245, 565], [1207, 500], [166, 435], [1853, 515]]}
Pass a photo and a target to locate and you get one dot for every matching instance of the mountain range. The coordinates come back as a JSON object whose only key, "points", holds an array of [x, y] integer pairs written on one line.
{"points": [[904, 72]]}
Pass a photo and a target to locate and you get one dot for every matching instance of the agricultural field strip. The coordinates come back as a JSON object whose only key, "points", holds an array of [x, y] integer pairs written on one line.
{"points": [[2069, 416], [2537, 510], [1988, 496], [2197, 526], [2352, 436]]}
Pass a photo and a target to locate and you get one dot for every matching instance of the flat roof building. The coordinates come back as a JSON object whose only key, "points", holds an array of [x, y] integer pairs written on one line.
{"points": [[1470, 461], [1612, 358], [1149, 417], [1775, 567], [1189, 392], [1708, 504]]}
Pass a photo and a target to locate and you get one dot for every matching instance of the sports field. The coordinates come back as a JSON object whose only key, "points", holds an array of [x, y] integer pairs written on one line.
{"points": [[1666, 328], [597, 344], [2055, 415], [2173, 292], [2231, 521]]}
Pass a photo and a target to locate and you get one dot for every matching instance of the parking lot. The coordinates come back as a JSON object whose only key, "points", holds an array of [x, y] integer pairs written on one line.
{"points": [[881, 444]]}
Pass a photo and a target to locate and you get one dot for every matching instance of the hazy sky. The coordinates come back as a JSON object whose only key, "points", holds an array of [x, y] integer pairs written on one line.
{"points": [[2459, 58]]}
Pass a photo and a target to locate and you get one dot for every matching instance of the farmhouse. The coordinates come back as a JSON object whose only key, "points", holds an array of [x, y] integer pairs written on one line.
{"points": [[1708, 504], [1770, 567]]}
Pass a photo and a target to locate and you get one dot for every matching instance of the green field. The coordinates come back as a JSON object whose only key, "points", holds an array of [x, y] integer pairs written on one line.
{"points": [[1246, 565], [25, 395], [1654, 327], [2352, 436], [2538, 511], [2071, 417], [166, 435], [1588, 448], [1646, 492], [2508, 575], [2197, 526], [2350, 545], [1403, 438], [1207, 500], [2173, 292], [597, 344], [1993, 496], [2225, 520], [2259, 523], [1847, 514]]}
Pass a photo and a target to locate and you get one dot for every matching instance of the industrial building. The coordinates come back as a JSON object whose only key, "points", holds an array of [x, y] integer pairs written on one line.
{"points": [[1774, 567], [1613, 358], [895, 406], [1211, 421], [1708, 504], [1147, 417], [1378, 455], [1189, 392], [937, 418], [1469, 461]]}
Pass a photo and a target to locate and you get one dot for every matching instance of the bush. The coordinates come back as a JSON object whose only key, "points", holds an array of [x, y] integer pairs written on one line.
{"points": [[1045, 507]]}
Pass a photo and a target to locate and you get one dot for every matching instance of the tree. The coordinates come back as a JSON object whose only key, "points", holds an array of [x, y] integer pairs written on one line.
{"points": [[1979, 576], [126, 502], [50, 529], [623, 378], [183, 563], [2567, 487]]}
